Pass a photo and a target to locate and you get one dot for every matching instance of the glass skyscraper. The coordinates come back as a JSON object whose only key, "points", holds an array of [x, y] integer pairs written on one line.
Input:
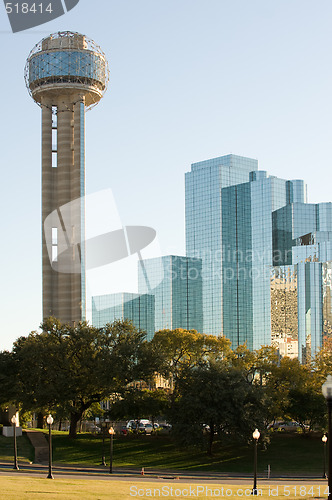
{"points": [[302, 237], [258, 265], [170, 296], [229, 206], [119, 306], [178, 293], [204, 238]]}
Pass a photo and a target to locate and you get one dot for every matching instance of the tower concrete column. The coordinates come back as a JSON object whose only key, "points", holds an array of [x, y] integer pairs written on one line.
{"points": [[65, 73]]}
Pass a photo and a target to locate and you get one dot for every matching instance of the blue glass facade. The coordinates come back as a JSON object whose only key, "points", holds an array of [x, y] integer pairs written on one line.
{"points": [[302, 236], [229, 206], [178, 294], [67, 63], [247, 227], [139, 309], [204, 238], [327, 299]]}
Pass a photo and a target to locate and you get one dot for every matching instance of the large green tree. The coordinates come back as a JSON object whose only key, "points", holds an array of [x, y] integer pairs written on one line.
{"points": [[8, 379], [74, 367], [180, 350], [136, 403], [216, 399]]}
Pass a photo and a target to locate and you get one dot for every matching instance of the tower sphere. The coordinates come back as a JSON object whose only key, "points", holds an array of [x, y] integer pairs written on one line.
{"points": [[65, 63]]}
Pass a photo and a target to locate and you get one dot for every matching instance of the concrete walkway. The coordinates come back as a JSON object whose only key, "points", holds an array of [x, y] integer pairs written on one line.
{"points": [[130, 474], [40, 444]]}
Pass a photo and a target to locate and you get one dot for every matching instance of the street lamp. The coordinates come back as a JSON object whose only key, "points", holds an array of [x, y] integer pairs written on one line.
{"points": [[256, 435], [49, 421], [111, 432], [327, 393], [14, 422], [324, 439], [103, 428]]}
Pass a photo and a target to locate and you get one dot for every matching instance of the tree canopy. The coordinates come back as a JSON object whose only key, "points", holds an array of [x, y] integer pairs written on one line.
{"points": [[74, 367], [209, 390]]}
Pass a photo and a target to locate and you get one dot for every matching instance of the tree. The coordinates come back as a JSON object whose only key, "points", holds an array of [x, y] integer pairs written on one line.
{"points": [[74, 367], [137, 403], [181, 350], [322, 363], [219, 397], [306, 406], [8, 379], [295, 393]]}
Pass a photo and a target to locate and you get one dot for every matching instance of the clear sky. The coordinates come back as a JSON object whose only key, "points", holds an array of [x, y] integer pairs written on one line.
{"points": [[190, 80]]}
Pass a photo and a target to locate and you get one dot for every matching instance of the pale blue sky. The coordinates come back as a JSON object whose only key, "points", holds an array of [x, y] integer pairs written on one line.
{"points": [[190, 80]]}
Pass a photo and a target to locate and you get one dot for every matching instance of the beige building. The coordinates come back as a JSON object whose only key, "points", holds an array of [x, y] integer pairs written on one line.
{"points": [[284, 310]]}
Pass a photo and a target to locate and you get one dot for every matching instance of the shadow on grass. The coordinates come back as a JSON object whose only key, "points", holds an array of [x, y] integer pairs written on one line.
{"points": [[25, 450], [287, 454]]}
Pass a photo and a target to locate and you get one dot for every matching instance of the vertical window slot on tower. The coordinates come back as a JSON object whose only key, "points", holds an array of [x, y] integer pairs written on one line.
{"points": [[54, 116], [54, 244], [54, 140], [54, 235], [54, 159], [54, 136], [54, 253]]}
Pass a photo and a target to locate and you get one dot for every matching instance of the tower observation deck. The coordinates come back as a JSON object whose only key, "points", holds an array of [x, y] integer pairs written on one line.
{"points": [[65, 73]]}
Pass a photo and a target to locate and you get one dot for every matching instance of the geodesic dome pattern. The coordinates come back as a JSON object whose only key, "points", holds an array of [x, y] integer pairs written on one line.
{"points": [[69, 60]]}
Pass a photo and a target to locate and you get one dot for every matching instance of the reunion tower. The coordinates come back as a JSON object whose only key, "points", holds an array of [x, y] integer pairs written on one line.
{"points": [[66, 73]]}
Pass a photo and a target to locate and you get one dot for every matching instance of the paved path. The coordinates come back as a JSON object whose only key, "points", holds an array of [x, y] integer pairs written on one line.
{"points": [[40, 444], [85, 472]]}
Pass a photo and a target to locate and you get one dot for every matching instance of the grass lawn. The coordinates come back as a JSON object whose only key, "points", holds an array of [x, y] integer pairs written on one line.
{"points": [[20, 488], [287, 453], [25, 451]]}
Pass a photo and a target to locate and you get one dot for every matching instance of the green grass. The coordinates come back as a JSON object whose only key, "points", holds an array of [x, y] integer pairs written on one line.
{"points": [[25, 451], [25, 488], [287, 453]]}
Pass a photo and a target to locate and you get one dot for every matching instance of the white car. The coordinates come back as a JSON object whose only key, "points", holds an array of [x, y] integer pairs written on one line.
{"points": [[144, 425]]}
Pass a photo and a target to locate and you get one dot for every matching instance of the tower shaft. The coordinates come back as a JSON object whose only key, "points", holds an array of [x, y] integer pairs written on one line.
{"points": [[65, 73], [63, 181]]}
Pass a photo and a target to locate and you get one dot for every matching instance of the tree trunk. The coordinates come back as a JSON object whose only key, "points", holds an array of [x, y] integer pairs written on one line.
{"points": [[211, 438], [40, 420], [74, 419], [60, 424]]}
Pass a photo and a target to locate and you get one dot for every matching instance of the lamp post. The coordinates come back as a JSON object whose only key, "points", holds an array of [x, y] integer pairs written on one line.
{"points": [[14, 422], [111, 432], [324, 439], [103, 428], [327, 393], [256, 435], [49, 421]]}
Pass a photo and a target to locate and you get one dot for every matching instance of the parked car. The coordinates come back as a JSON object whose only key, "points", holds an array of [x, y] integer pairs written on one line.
{"points": [[132, 424], [164, 428], [144, 426], [286, 426], [91, 427]]}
